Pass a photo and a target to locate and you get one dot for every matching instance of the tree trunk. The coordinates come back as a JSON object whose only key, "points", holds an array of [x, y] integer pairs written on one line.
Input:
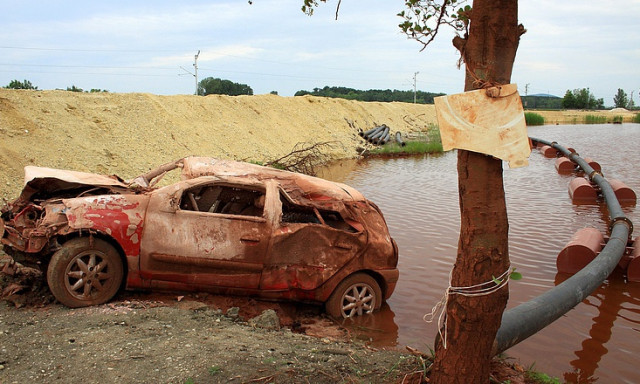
{"points": [[472, 322]]}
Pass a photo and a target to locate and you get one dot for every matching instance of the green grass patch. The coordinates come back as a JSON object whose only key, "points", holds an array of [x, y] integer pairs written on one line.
{"points": [[617, 119], [593, 119], [636, 118], [533, 118], [423, 143], [541, 378]]}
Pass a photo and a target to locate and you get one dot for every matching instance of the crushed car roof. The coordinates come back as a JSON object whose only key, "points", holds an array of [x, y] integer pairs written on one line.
{"points": [[314, 188], [47, 181]]}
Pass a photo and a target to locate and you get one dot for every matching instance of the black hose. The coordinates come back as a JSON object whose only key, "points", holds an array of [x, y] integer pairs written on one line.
{"points": [[371, 131], [380, 139], [373, 138], [386, 137], [528, 318], [399, 139]]}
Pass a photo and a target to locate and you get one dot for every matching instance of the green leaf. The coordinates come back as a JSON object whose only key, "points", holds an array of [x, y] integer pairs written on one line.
{"points": [[515, 275], [496, 280]]}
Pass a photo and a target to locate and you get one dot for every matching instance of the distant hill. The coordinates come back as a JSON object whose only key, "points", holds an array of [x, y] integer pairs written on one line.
{"points": [[544, 95], [542, 101]]}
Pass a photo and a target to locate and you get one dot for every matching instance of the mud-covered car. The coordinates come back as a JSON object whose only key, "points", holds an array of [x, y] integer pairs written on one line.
{"points": [[226, 227]]}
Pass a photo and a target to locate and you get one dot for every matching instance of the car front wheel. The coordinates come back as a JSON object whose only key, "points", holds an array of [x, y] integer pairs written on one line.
{"points": [[357, 295], [85, 271]]}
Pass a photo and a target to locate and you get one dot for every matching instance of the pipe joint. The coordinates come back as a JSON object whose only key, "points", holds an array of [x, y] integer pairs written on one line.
{"points": [[622, 219], [594, 174]]}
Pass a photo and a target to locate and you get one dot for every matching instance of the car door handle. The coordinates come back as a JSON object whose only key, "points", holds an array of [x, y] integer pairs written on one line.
{"points": [[249, 240], [343, 246]]}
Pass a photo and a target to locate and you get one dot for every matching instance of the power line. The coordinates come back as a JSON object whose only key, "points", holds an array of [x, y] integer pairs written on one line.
{"points": [[86, 50]]}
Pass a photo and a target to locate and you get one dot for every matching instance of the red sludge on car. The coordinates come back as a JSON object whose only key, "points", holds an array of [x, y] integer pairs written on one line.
{"points": [[225, 227]]}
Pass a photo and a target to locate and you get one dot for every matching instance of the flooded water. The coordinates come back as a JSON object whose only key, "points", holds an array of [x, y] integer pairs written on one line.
{"points": [[597, 341]]}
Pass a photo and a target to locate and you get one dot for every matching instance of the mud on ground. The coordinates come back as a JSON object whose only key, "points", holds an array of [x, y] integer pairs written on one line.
{"points": [[197, 338]]}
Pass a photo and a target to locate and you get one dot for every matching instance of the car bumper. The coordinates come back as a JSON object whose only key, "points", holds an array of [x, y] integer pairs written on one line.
{"points": [[390, 277]]}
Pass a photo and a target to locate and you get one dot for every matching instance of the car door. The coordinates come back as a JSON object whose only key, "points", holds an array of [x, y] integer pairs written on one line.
{"points": [[309, 246], [205, 234]]}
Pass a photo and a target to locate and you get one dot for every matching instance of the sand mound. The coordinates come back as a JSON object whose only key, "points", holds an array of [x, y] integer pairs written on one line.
{"points": [[619, 110], [127, 134]]}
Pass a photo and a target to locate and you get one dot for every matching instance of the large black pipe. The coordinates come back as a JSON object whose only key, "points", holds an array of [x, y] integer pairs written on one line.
{"points": [[386, 137], [371, 131], [399, 139], [528, 318], [381, 138], [374, 138]]}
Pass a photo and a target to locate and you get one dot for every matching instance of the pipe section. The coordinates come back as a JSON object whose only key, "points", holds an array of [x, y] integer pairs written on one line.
{"points": [[528, 318]]}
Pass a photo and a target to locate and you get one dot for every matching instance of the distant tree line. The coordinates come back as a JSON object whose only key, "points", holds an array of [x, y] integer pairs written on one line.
{"points": [[622, 100], [17, 84], [541, 102], [216, 86], [581, 99], [26, 84], [385, 95]]}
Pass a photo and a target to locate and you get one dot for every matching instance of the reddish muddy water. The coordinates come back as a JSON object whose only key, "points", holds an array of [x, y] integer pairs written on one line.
{"points": [[598, 340]]}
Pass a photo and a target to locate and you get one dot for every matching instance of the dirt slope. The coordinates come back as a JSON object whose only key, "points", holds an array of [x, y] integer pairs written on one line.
{"points": [[127, 134]]}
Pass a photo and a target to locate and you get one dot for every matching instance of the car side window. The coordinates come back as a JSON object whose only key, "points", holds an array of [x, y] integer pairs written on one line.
{"points": [[335, 220], [230, 200], [293, 213]]}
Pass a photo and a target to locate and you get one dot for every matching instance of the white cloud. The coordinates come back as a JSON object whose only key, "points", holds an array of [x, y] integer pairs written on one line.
{"points": [[271, 45]]}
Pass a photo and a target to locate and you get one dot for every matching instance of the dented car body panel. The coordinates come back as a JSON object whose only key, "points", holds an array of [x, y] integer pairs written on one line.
{"points": [[226, 227]]}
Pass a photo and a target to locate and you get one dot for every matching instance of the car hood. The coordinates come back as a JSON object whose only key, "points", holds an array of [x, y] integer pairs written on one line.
{"points": [[49, 181]]}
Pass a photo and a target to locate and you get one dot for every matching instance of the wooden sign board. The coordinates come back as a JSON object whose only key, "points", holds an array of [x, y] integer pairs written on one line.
{"points": [[489, 121]]}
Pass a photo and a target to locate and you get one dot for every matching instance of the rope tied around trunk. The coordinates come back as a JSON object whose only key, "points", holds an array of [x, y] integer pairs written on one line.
{"points": [[482, 289]]}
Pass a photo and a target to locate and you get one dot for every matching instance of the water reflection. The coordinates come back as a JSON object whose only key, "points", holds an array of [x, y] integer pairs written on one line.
{"points": [[609, 300], [379, 330], [419, 198]]}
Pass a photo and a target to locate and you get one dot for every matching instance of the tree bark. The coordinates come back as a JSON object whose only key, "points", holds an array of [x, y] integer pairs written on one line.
{"points": [[472, 322]]}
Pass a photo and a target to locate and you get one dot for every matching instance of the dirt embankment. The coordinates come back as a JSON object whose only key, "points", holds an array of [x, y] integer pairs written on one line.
{"points": [[127, 134], [201, 338]]}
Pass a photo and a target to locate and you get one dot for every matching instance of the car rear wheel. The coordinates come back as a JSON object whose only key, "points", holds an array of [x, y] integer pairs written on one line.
{"points": [[85, 271], [357, 295]]}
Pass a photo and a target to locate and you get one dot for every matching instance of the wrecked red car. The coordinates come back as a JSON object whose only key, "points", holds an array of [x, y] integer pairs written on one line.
{"points": [[225, 227]]}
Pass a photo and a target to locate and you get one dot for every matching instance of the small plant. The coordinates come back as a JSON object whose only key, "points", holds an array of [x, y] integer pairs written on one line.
{"points": [[593, 119], [636, 118], [617, 119], [533, 118], [214, 370], [541, 378]]}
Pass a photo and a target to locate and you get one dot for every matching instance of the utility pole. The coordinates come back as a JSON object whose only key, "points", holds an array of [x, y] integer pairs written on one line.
{"points": [[415, 75], [526, 93], [195, 73], [195, 66]]}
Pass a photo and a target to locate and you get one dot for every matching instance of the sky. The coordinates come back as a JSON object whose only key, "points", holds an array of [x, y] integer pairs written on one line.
{"points": [[270, 45]]}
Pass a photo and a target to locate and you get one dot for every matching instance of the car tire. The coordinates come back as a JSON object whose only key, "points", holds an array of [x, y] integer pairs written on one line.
{"points": [[85, 271], [357, 295]]}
